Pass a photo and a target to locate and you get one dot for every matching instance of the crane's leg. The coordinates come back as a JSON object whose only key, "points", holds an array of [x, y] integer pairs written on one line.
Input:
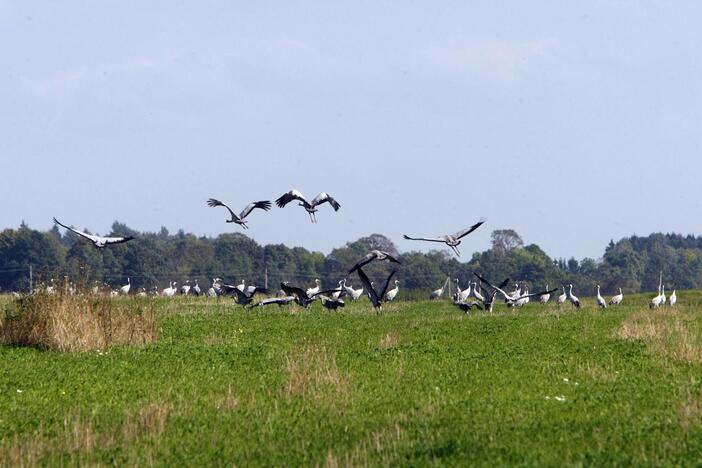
{"points": [[455, 249]]}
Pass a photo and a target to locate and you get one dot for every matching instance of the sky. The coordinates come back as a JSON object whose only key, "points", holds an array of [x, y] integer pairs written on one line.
{"points": [[572, 123]]}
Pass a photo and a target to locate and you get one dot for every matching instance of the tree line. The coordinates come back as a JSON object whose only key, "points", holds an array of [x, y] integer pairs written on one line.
{"points": [[632, 263]]}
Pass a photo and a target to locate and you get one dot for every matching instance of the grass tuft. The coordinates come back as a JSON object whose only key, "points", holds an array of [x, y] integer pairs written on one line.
{"points": [[665, 333], [312, 370], [71, 323]]}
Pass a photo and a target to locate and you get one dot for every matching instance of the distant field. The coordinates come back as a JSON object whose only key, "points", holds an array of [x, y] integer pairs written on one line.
{"points": [[420, 383]]}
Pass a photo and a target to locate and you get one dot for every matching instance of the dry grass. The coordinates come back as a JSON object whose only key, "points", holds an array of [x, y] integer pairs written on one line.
{"points": [[217, 340], [665, 332], [64, 322], [389, 341], [596, 372], [75, 436], [149, 420], [79, 437], [383, 444], [690, 411], [312, 371], [229, 402]]}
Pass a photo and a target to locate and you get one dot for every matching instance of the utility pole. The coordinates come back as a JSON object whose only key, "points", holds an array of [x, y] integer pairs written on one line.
{"points": [[266, 278], [31, 279]]}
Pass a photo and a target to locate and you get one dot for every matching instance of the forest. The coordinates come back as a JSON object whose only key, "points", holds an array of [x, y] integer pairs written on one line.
{"points": [[632, 263]]}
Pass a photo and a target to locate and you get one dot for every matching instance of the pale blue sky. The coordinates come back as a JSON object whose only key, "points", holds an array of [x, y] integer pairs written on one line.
{"points": [[570, 122]]}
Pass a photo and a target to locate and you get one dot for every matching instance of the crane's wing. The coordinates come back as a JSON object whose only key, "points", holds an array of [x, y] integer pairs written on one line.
{"points": [[290, 196], [496, 288], [387, 283], [214, 202], [328, 291], [428, 239], [364, 261], [535, 294], [276, 300], [299, 293], [371, 292], [467, 231], [233, 289], [391, 258], [80, 233], [324, 197], [116, 240], [265, 205], [258, 290]]}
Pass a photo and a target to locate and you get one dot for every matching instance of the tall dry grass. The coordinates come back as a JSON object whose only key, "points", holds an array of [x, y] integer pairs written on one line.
{"points": [[70, 323], [666, 332]]}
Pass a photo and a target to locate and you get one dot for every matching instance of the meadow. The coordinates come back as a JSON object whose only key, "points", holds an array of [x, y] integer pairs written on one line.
{"points": [[418, 384]]}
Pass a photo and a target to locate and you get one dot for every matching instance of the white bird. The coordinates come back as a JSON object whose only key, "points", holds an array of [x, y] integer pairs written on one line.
{"points": [[452, 240], [573, 299], [374, 255], [353, 293], [600, 300], [337, 291], [673, 299], [310, 206], [51, 289], [562, 298], [544, 298], [390, 295], [125, 289], [170, 290], [241, 286], [522, 300], [476, 293], [457, 292], [142, 293], [185, 289], [616, 300], [196, 289], [465, 294], [437, 293], [663, 298], [312, 291], [658, 300], [517, 292], [216, 289], [265, 205], [98, 241]]}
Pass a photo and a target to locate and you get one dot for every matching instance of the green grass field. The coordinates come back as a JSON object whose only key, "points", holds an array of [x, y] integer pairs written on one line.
{"points": [[418, 384]]}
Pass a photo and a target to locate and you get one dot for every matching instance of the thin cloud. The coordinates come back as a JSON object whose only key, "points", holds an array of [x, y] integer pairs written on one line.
{"points": [[182, 72], [493, 59]]}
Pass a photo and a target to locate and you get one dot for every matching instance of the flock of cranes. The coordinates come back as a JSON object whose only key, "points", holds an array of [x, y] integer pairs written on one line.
{"points": [[480, 294]]}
